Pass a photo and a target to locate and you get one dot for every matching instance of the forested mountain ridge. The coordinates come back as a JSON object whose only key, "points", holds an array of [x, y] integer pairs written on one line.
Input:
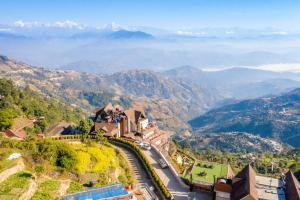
{"points": [[170, 102], [23, 102], [238, 82], [276, 117]]}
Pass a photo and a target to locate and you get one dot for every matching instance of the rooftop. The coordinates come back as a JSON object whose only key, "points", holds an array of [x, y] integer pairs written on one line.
{"points": [[269, 188]]}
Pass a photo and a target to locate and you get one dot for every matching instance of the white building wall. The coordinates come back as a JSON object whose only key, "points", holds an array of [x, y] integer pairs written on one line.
{"points": [[144, 123]]}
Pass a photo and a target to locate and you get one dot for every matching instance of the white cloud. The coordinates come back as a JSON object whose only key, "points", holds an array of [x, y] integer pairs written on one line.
{"points": [[67, 24], [230, 32], [113, 27], [6, 30], [190, 33], [281, 67], [19, 23], [275, 33], [59, 24], [23, 24]]}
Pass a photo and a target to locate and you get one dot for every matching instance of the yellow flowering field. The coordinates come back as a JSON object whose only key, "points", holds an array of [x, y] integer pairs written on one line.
{"points": [[94, 158]]}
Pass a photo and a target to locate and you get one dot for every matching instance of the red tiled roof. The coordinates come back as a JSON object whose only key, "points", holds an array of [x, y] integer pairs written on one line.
{"points": [[18, 133], [292, 191]]}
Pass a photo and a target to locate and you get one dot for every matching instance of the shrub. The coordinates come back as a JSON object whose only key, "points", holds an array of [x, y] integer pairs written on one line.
{"points": [[39, 169], [66, 157], [74, 187]]}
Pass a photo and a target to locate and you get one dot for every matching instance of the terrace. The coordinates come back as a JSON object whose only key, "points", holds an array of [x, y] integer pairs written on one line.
{"points": [[206, 172]]}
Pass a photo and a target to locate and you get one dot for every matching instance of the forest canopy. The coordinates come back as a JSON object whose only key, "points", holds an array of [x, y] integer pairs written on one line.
{"points": [[15, 102]]}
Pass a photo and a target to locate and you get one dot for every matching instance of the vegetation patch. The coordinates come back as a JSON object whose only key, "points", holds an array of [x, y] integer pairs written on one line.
{"points": [[75, 187], [207, 171], [4, 162], [96, 158], [14, 186], [47, 190], [15, 102]]}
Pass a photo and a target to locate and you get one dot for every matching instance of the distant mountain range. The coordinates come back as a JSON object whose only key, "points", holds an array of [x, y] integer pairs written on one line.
{"points": [[124, 34], [113, 35], [167, 101], [275, 117], [238, 83], [125, 48], [171, 98]]}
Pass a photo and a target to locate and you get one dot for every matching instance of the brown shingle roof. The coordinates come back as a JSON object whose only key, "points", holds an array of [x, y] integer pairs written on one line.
{"points": [[134, 113], [292, 191], [244, 184], [109, 128], [106, 108]]}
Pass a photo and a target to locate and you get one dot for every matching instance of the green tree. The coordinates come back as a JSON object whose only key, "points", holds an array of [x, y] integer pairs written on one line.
{"points": [[66, 157], [6, 119], [85, 127], [100, 137]]}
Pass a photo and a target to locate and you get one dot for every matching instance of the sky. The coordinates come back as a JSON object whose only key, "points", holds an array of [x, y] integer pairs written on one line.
{"points": [[164, 14]]}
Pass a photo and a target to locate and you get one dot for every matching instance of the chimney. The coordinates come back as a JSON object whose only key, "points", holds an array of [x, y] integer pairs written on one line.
{"points": [[119, 134], [128, 124]]}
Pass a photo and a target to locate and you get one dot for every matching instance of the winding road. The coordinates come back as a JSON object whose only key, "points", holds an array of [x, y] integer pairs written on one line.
{"points": [[171, 182], [179, 191]]}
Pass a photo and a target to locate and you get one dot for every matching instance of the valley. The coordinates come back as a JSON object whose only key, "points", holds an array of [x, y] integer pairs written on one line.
{"points": [[173, 97], [150, 100], [270, 117]]}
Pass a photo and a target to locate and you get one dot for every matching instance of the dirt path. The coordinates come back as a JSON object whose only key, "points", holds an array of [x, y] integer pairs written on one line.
{"points": [[8, 172], [31, 190], [64, 185]]}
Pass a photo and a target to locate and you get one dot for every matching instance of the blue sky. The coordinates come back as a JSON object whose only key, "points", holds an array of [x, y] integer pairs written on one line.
{"points": [[166, 14]]}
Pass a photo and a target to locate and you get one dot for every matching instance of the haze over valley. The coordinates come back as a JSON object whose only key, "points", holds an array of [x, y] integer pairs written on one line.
{"points": [[150, 100]]}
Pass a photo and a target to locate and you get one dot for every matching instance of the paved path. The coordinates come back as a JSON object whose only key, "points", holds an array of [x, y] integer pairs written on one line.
{"points": [[171, 182]]}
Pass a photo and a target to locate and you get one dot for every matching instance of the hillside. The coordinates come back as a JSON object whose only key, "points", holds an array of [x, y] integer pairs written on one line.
{"points": [[53, 165], [238, 82], [17, 106], [276, 117], [168, 101], [171, 98], [232, 142]]}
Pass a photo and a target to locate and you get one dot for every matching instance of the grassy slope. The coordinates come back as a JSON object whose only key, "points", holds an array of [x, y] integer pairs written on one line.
{"points": [[4, 163], [47, 190], [218, 170], [14, 186]]}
